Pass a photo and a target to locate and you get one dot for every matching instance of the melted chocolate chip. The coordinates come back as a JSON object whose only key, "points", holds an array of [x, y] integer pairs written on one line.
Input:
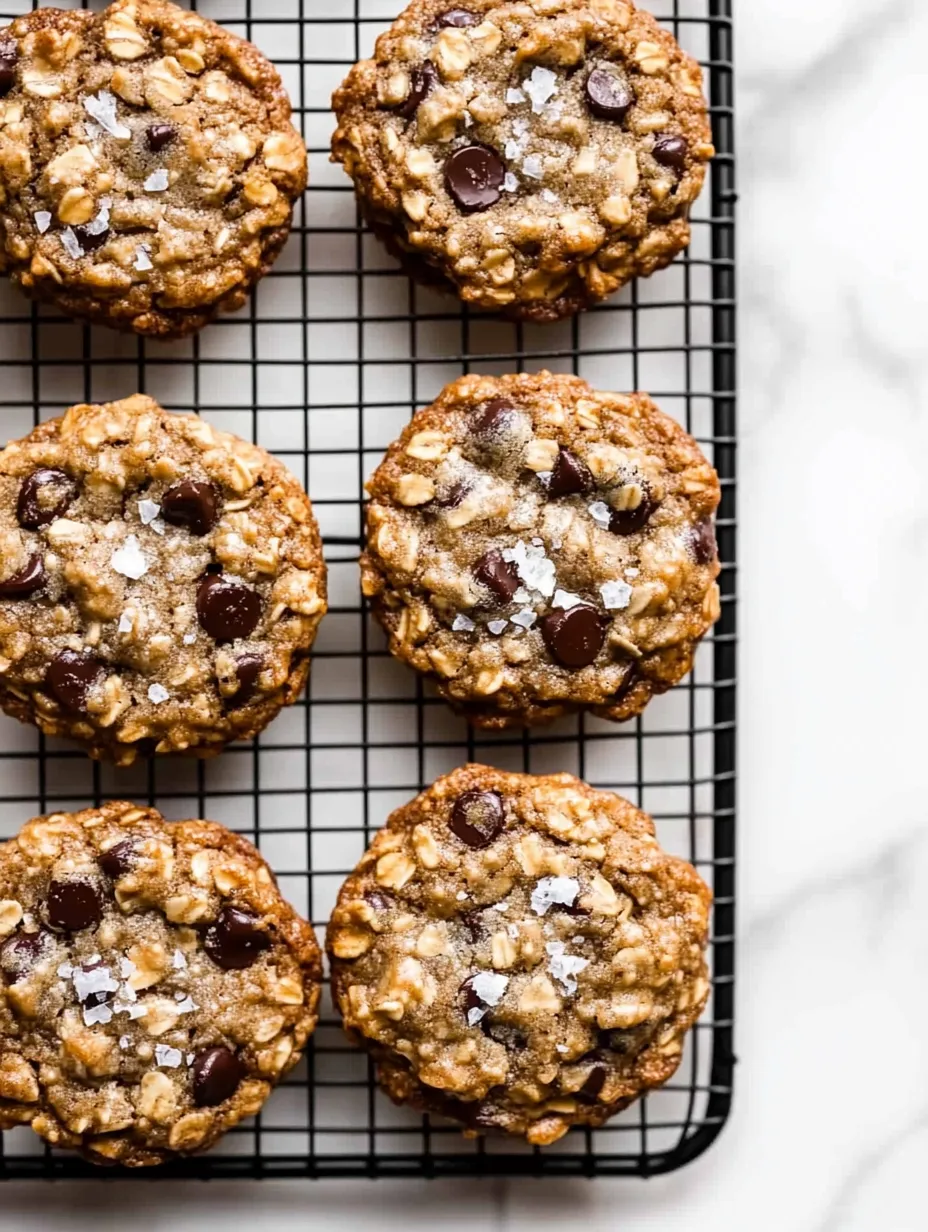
{"points": [[70, 677], [379, 900], [192, 504], [608, 94], [423, 81], [8, 59], [474, 177], [73, 905], [35, 508], [494, 423], [477, 817], [248, 668], [235, 940], [118, 860], [471, 1000], [216, 1076], [574, 637], [498, 575], [19, 954], [452, 497], [89, 240], [629, 521], [29, 579], [671, 151], [596, 1080], [158, 136], [569, 476], [458, 17], [227, 610], [702, 542]]}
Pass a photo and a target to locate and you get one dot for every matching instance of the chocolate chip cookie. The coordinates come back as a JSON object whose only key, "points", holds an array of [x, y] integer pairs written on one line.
{"points": [[538, 548], [519, 954], [161, 582], [531, 155], [154, 986], [148, 166]]}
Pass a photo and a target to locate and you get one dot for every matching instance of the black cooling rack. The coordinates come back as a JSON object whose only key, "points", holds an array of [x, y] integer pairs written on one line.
{"points": [[323, 368]]}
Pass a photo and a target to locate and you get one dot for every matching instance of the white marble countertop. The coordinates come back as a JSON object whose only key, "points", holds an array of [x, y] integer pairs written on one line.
{"points": [[833, 920]]}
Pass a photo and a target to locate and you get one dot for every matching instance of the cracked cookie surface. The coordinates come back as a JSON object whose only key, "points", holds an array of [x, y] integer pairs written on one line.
{"points": [[161, 582], [148, 165], [154, 986], [539, 548], [519, 954], [531, 155]]}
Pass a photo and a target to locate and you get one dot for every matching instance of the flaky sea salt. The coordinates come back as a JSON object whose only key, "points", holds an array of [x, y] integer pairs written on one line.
{"points": [[551, 890], [186, 1006], [102, 108], [551, 197], [178, 961], [462, 896], [148, 511], [561, 1047], [564, 967], [532, 167], [524, 618], [100, 224], [514, 96], [124, 1042], [512, 150], [565, 599], [189, 638], [157, 181], [462, 624], [510, 183], [497, 626], [97, 1013], [157, 693], [125, 1007], [89, 983], [632, 573], [129, 559], [540, 86], [71, 244], [65, 971], [490, 988], [167, 1057], [600, 513], [143, 258], [127, 968], [616, 595], [533, 567], [43, 220], [125, 623]]}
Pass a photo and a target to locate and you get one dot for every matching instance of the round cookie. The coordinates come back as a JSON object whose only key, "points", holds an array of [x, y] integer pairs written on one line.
{"points": [[539, 548], [518, 953], [161, 582], [531, 155], [148, 165], [154, 986]]}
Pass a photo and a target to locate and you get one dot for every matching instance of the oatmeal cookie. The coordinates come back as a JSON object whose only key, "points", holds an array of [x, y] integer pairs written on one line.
{"points": [[161, 582], [539, 548], [154, 986], [148, 165], [518, 953], [531, 155]]}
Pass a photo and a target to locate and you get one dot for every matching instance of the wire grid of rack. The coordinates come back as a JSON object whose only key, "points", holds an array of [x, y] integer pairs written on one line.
{"points": [[323, 368]]}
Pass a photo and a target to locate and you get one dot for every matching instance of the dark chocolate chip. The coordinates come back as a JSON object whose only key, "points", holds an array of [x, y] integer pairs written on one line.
{"points": [[235, 940], [596, 1080], [89, 240], [474, 177], [452, 497], [8, 60], [477, 817], [248, 668], [423, 81], [574, 637], [216, 1076], [473, 922], [621, 1042], [494, 421], [20, 953], [471, 1000], [608, 94], [702, 542], [70, 677], [630, 521], [157, 136], [193, 504], [569, 475], [500, 576], [29, 579], [119, 859], [35, 508], [73, 905], [227, 610], [458, 17], [379, 900], [671, 151]]}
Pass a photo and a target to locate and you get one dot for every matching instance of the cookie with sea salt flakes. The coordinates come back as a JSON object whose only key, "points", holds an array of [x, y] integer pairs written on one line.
{"points": [[537, 548], [531, 155], [161, 582], [519, 954], [154, 986], [148, 165]]}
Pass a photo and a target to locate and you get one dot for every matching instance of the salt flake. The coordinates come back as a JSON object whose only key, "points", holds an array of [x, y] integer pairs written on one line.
{"points": [[43, 220], [601, 514], [533, 567], [551, 197], [179, 962], [89, 983], [512, 150], [489, 987], [167, 1057], [524, 619], [462, 624], [129, 560], [124, 1042], [561, 1047], [157, 181], [65, 970], [97, 1013], [551, 890], [461, 896], [71, 244], [143, 258], [616, 595], [564, 967], [125, 623], [102, 108], [510, 183], [127, 968], [148, 511], [565, 599], [189, 639], [186, 1006], [532, 167], [514, 96], [497, 626], [101, 223], [540, 87], [157, 693]]}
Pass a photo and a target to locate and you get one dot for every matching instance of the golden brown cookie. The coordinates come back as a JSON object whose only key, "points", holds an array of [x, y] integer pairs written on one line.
{"points": [[154, 986], [531, 155], [519, 954], [148, 165], [539, 548], [161, 582]]}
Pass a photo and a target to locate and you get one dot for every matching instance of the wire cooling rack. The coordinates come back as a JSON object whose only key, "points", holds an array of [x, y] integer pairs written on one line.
{"points": [[323, 368]]}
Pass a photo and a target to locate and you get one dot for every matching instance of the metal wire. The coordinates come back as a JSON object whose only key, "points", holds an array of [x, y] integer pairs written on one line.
{"points": [[334, 351]]}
